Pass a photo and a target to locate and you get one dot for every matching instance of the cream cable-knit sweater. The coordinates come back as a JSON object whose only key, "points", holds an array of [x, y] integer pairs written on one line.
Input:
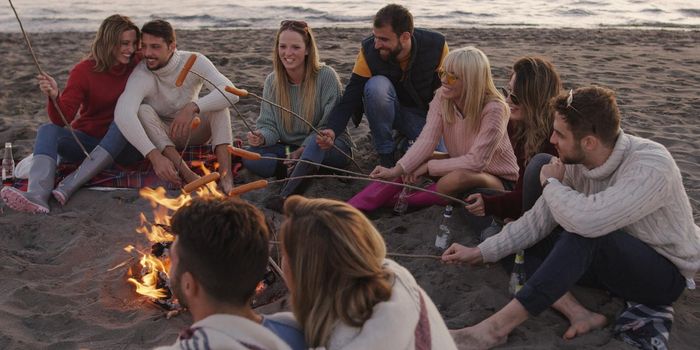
{"points": [[638, 190], [157, 89]]}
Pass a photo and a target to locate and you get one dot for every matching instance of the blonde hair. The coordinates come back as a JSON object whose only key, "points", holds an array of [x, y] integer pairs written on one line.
{"points": [[108, 38], [536, 83], [312, 66], [472, 67], [335, 256]]}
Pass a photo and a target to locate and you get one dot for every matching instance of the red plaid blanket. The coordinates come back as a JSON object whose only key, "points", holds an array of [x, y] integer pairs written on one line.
{"points": [[141, 174]]}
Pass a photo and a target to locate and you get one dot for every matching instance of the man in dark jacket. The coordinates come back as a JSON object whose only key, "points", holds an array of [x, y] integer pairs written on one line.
{"points": [[393, 81]]}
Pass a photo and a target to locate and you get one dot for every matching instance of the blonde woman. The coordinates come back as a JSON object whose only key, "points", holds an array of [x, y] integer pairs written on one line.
{"points": [[87, 101], [345, 294], [472, 117], [302, 84]]}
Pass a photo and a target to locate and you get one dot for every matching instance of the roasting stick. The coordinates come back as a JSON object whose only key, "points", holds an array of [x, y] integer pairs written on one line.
{"points": [[401, 255], [53, 99], [256, 156], [187, 68], [264, 183], [244, 93]]}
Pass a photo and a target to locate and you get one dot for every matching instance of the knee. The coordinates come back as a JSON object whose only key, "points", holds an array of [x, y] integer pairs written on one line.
{"points": [[540, 159], [146, 111], [377, 87], [452, 182], [47, 130]]}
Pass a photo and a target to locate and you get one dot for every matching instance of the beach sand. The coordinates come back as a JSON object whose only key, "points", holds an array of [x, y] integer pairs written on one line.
{"points": [[56, 291]]}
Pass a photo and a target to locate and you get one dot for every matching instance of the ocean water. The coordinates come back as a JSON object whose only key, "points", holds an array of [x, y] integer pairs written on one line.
{"points": [[85, 15]]}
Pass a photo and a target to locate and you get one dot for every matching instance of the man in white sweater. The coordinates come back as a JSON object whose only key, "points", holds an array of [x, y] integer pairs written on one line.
{"points": [[625, 224], [155, 115]]}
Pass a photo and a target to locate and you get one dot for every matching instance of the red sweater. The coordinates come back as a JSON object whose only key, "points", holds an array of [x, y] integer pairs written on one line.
{"points": [[509, 205], [94, 94]]}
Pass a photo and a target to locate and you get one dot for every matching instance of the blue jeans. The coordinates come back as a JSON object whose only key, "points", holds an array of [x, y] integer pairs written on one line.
{"points": [[385, 113], [313, 153], [53, 141], [617, 262]]}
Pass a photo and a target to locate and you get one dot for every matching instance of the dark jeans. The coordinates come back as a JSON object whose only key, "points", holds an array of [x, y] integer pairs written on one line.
{"points": [[617, 262]]}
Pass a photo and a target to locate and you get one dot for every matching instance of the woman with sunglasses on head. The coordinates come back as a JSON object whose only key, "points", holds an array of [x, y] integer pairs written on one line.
{"points": [[87, 102], [471, 116], [302, 84], [345, 294], [533, 83]]}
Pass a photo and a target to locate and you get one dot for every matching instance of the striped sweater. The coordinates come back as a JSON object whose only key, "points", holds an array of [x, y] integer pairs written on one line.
{"points": [[638, 190], [485, 150]]}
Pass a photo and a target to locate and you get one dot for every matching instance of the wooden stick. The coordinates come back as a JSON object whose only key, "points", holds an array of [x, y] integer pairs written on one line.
{"points": [[448, 197], [402, 255], [53, 99], [241, 92], [226, 97]]}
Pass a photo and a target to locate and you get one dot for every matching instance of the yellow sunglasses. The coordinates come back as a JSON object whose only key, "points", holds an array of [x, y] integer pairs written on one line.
{"points": [[449, 77]]}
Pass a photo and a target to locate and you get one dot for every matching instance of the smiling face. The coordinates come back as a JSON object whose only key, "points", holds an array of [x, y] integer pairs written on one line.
{"points": [[156, 51], [124, 50], [452, 85], [292, 50], [387, 42]]}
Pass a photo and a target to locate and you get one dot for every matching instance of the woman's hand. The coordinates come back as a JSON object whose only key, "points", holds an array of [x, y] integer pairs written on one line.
{"points": [[255, 138], [381, 172], [47, 85], [326, 139], [458, 253], [476, 204]]}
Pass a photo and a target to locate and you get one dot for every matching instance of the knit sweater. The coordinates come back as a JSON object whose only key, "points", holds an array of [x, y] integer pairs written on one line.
{"points": [[393, 322], [509, 205], [485, 150], [93, 94], [157, 89], [638, 190], [270, 122], [227, 332]]}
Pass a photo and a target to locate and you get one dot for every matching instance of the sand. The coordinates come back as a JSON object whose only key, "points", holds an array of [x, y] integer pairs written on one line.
{"points": [[56, 292]]}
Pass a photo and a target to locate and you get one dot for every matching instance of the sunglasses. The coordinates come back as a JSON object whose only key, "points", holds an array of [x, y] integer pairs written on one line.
{"points": [[513, 98], [299, 25], [447, 76]]}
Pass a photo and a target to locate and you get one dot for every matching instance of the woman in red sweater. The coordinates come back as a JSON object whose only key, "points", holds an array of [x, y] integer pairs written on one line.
{"points": [[92, 90], [533, 83]]}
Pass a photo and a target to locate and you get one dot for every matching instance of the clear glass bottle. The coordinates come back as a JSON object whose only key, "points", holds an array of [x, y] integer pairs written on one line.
{"points": [[443, 237], [8, 166], [517, 277]]}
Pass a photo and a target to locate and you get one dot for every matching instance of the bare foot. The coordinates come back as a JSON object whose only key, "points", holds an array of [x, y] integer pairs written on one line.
{"points": [[583, 323], [476, 338]]}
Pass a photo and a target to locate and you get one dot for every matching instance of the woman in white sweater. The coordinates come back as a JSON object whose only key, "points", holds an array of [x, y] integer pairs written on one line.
{"points": [[345, 293]]}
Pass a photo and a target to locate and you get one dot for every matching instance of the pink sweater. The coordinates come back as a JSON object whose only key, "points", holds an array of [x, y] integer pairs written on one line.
{"points": [[488, 150]]}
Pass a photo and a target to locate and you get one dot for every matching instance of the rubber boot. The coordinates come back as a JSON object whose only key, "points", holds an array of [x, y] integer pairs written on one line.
{"points": [[41, 180], [99, 159]]}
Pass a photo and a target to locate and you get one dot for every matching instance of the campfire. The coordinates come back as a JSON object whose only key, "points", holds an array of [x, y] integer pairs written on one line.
{"points": [[149, 275]]}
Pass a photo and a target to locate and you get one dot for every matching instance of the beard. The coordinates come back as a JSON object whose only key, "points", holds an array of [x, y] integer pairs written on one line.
{"points": [[176, 290], [390, 55], [576, 156]]}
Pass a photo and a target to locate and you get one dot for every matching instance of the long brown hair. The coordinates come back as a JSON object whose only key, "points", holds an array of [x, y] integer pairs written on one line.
{"points": [[536, 83], [107, 39], [312, 66], [335, 258], [472, 67]]}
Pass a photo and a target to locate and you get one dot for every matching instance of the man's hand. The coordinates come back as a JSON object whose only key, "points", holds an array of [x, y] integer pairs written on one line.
{"points": [[458, 253], [383, 173], [163, 167], [326, 140], [294, 155], [47, 85], [183, 120], [476, 204], [255, 138], [554, 169]]}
